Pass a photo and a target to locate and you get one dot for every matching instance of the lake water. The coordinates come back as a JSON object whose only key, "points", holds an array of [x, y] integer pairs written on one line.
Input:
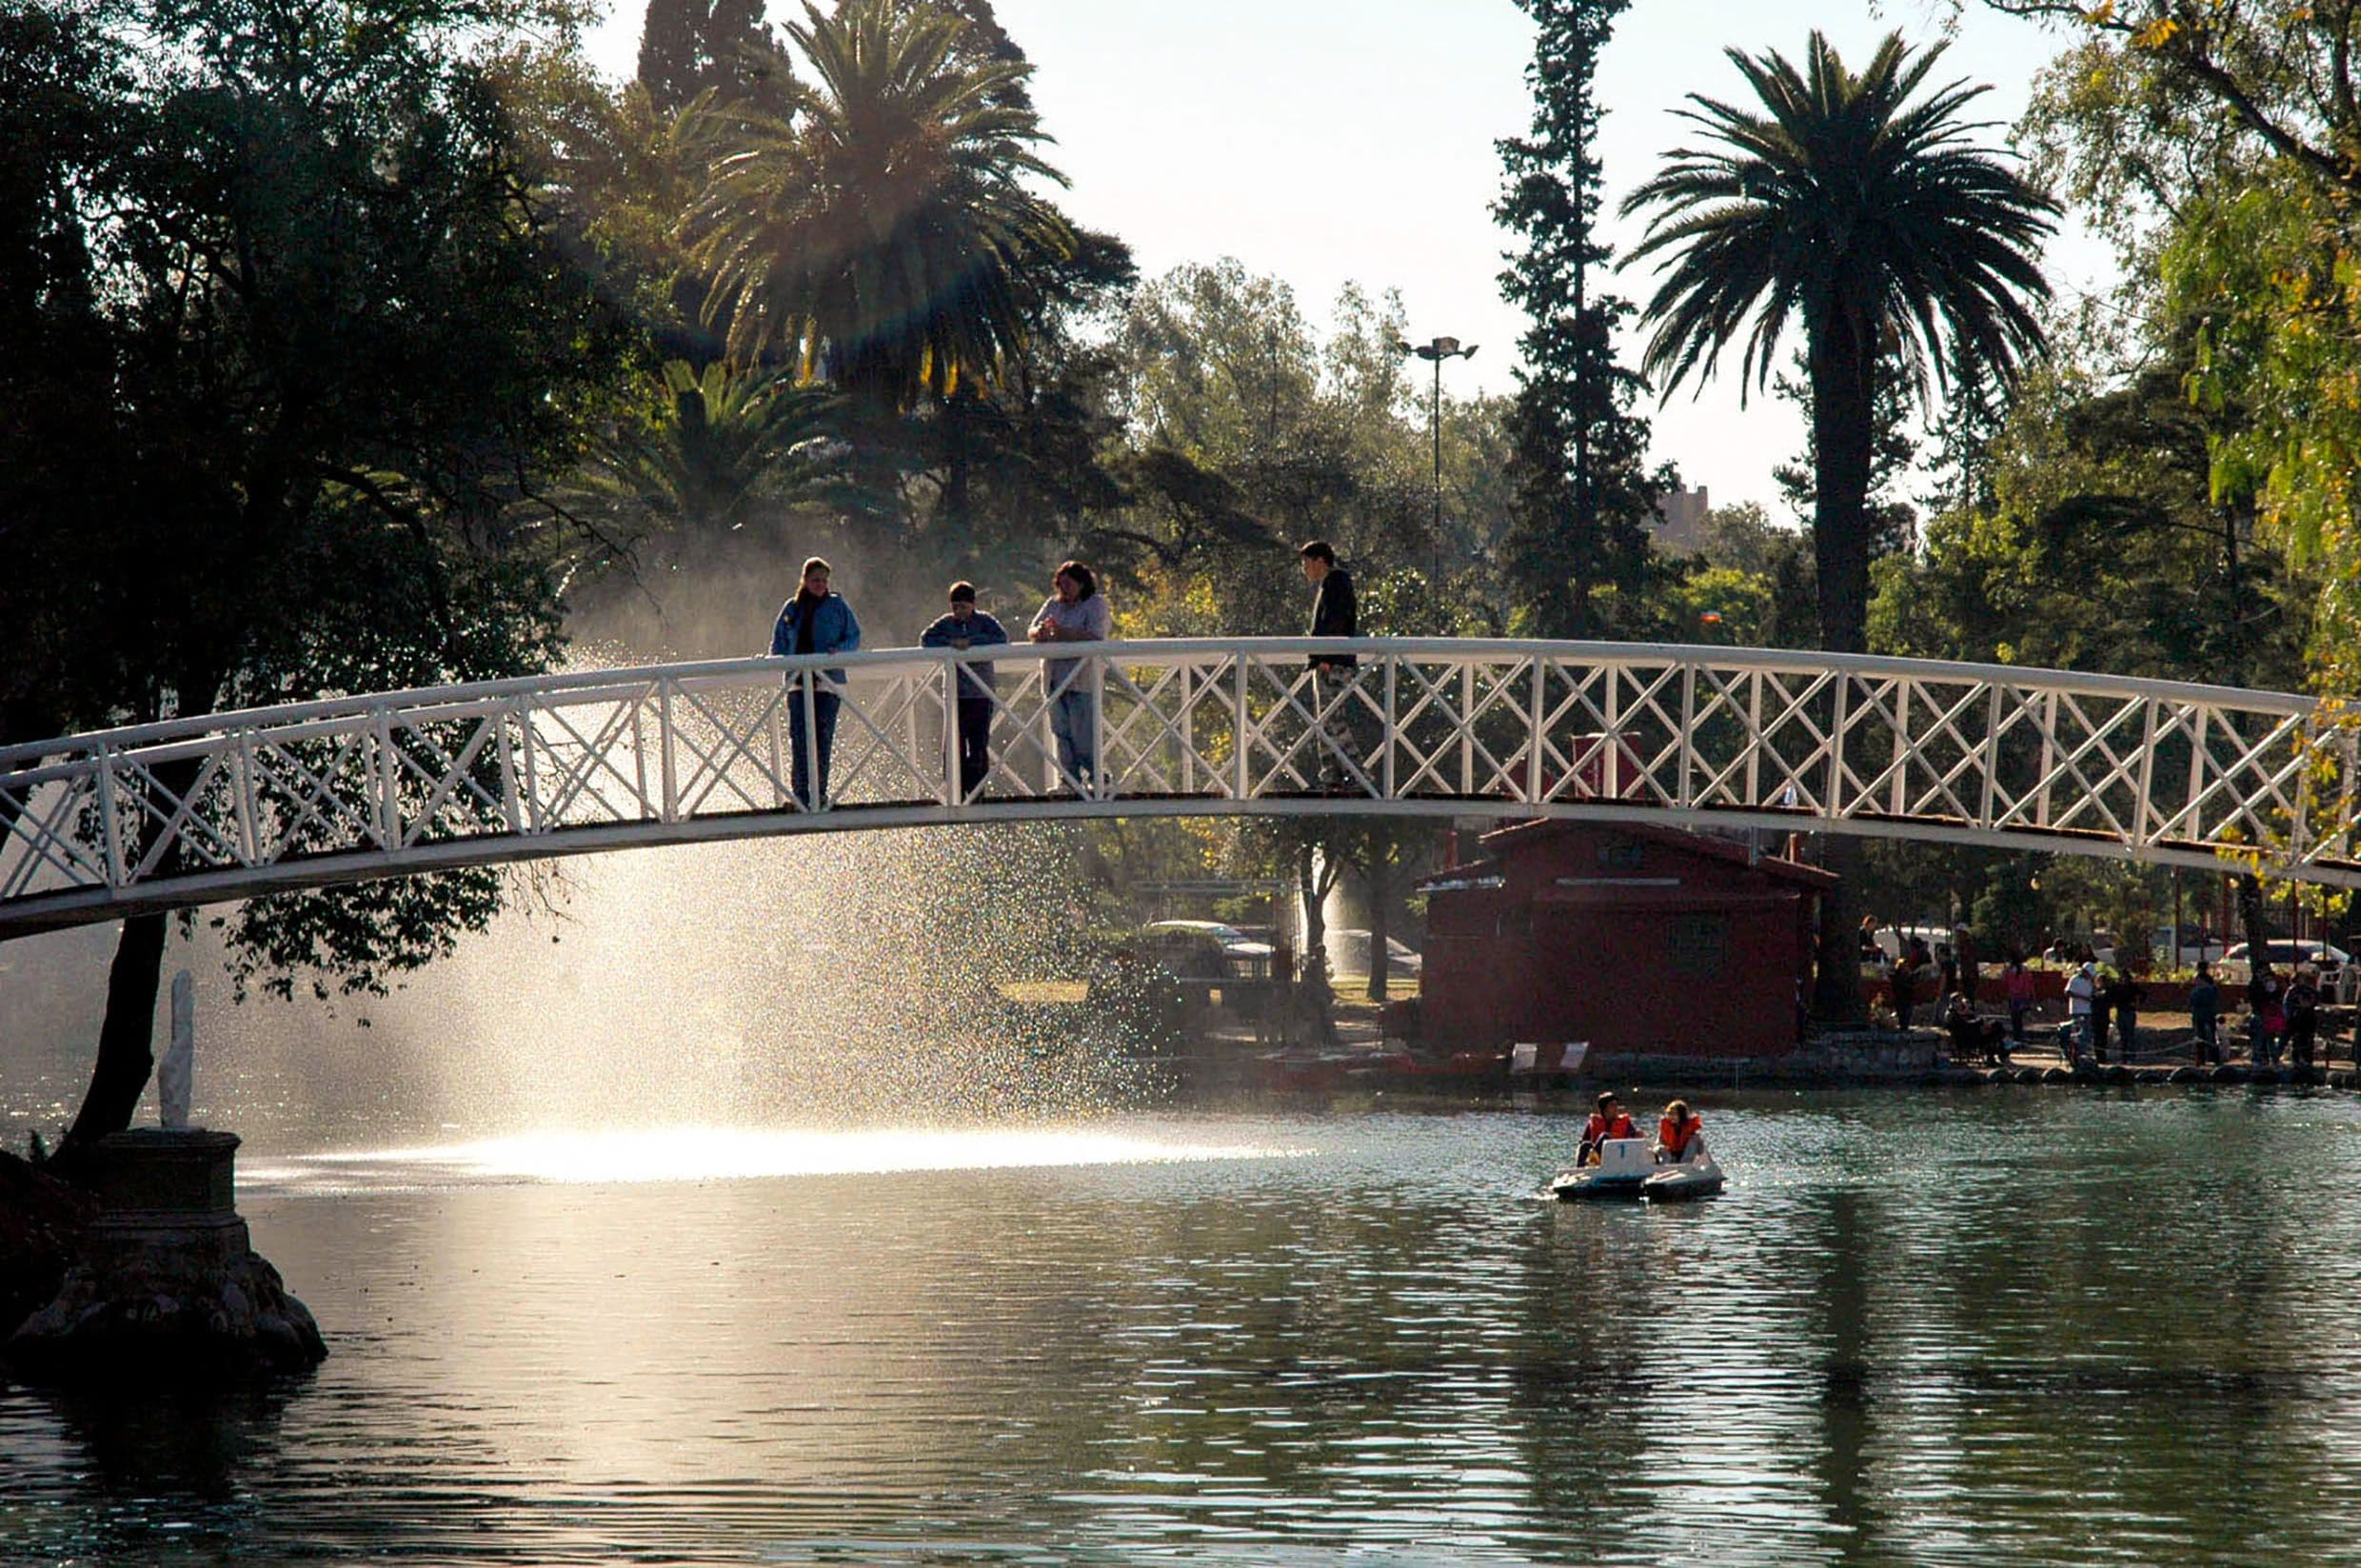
{"points": [[2017, 1326]]}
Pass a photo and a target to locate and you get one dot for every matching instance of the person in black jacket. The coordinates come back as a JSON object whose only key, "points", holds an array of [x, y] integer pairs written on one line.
{"points": [[2303, 1013], [1334, 614], [2123, 998], [969, 627]]}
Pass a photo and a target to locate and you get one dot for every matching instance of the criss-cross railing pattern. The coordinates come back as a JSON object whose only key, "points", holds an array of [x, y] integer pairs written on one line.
{"points": [[234, 804]]}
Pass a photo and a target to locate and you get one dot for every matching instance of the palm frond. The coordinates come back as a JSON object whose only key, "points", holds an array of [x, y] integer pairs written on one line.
{"points": [[1840, 196]]}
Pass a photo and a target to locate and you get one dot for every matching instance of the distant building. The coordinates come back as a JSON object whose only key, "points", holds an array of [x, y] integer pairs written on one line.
{"points": [[1681, 526], [1638, 940]]}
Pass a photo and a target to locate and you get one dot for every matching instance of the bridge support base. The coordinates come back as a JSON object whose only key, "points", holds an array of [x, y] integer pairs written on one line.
{"points": [[166, 1284]]}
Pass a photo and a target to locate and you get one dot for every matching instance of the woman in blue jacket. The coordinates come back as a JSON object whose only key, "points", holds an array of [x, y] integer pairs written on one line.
{"points": [[815, 621]]}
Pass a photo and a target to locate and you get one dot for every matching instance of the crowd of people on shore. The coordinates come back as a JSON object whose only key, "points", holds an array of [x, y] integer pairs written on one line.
{"points": [[817, 619], [2103, 1004]]}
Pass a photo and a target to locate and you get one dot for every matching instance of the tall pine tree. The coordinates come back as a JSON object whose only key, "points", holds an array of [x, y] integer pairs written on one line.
{"points": [[1584, 495], [688, 47]]}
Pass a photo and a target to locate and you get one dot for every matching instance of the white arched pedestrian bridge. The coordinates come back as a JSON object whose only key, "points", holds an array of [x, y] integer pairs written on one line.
{"points": [[230, 805]]}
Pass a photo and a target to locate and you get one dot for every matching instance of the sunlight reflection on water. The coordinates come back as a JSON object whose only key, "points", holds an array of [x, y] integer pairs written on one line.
{"points": [[1986, 1330], [714, 1153]]}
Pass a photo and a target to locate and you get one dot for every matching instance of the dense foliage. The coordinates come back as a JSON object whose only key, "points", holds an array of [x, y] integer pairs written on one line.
{"points": [[2219, 141], [290, 359]]}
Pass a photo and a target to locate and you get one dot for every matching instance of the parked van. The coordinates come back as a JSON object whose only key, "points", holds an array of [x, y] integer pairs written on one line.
{"points": [[1890, 939], [2285, 954]]}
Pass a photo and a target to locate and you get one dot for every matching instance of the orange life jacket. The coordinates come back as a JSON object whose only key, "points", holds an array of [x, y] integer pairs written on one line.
{"points": [[1602, 1129], [1677, 1136]]}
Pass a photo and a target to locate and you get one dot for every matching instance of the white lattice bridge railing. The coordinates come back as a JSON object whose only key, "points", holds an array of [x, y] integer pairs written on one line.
{"points": [[230, 805]]}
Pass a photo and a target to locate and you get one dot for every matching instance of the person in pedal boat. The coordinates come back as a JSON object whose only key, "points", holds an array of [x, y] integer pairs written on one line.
{"points": [[1677, 1134], [1609, 1120]]}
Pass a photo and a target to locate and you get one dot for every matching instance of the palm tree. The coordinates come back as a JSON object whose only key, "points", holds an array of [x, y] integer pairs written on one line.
{"points": [[710, 450], [1872, 221], [883, 235], [1897, 244]]}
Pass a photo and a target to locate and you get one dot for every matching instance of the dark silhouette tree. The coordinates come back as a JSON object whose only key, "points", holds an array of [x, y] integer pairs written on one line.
{"points": [[689, 48], [1583, 493], [315, 393], [1848, 205]]}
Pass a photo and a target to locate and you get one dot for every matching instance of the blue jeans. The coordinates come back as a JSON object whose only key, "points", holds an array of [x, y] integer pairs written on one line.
{"points": [[823, 721], [1072, 719]]}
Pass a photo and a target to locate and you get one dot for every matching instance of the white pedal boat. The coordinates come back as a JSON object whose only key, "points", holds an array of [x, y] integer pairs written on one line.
{"points": [[1627, 1168]]}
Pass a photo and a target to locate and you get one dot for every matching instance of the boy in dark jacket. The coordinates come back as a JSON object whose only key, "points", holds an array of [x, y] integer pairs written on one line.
{"points": [[969, 627], [1334, 614]]}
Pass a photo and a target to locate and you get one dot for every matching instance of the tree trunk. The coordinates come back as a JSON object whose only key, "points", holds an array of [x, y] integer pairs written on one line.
{"points": [[1843, 435], [1313, 972], [959, 411], [2250, 920], [1843, 360], [1377, 874], [125, 1036], [1837, 966]]}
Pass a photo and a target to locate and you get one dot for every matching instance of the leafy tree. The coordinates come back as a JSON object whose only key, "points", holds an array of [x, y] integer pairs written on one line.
{"points": [[1249, 432], [67, 617], [1027, 454], [1963, 436], [321, 393], [1584, 494], [2216, 143], [884, 236], [2107, 550], [1749, 584], [1719, 605], [690, 48], [2283, 70], [2236, 126], [2108, 547], [986, 40], [1850, 204], [1764, 567]]}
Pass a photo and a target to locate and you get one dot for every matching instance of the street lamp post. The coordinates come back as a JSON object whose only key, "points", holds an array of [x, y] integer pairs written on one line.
{"points": [[1434, 354]]}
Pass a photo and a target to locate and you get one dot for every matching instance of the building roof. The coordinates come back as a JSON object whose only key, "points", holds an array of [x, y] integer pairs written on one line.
{"points": [[1502, 841]]}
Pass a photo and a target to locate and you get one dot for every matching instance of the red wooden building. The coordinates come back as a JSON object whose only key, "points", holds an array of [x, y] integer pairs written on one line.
{"points": [[1638, 940]]}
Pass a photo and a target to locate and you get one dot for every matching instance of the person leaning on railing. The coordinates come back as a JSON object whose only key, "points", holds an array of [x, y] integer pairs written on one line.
{"points": [[969, 627], [1077, 612]]}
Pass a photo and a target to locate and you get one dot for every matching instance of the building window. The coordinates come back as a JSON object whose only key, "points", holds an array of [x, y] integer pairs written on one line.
{"points": [[1698, 943]]}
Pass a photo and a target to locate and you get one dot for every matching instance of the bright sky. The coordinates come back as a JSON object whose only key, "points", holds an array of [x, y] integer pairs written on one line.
{"points": [[1328, 141]]}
